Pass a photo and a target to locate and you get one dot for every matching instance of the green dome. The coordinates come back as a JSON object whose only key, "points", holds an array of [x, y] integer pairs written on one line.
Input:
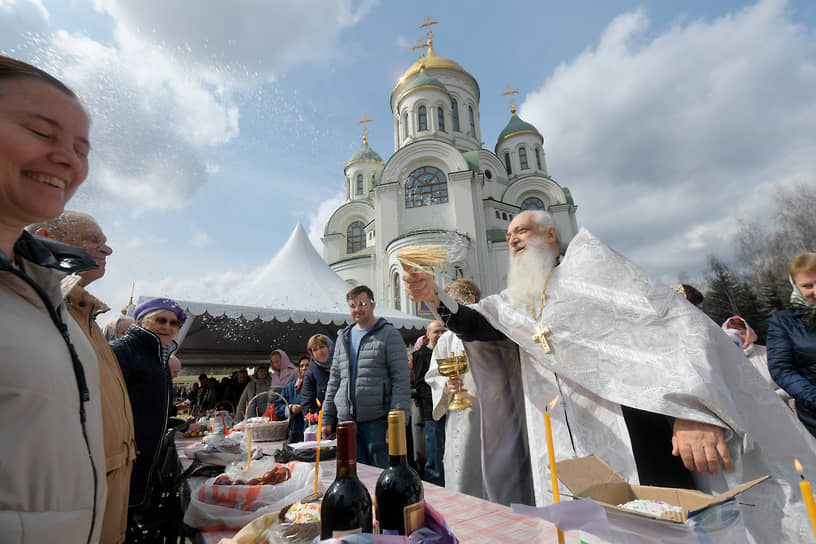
{"points": [[516, 126], [420, 81], [365, 153]]}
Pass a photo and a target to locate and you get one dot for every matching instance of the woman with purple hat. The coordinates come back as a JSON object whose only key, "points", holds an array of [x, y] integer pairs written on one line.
{"points": [[144, 352]]}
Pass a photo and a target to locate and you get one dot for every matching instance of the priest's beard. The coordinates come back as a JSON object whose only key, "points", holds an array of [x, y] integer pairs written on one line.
{"points": [[529, 272]]}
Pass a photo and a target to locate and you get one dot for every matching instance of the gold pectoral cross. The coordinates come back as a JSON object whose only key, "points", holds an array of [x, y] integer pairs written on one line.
{"points": [[540, 336]]}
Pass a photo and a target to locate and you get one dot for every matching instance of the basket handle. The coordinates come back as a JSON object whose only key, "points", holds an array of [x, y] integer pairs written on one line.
{"points": [[246, 412], [219, 403]]}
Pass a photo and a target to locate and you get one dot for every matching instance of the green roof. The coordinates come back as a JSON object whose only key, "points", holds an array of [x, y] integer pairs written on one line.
{"points": [[365, 153], [472, 159], [516, 126], [377, 176], [568, 194], [422, 80]]}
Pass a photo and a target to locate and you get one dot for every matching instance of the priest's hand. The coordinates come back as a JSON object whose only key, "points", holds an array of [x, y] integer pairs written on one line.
{"points": [[454, 385], [701, 446], [419, 287]]}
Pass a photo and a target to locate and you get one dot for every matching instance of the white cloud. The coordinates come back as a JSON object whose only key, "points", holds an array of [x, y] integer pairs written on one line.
{"points": [[167, 87], [317, 222], [665, 139]]}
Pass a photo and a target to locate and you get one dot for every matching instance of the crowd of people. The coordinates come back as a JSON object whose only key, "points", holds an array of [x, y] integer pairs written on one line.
{"points": [[628, 369]]}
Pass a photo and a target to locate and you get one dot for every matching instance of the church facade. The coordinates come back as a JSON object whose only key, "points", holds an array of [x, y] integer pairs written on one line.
{"points": [[440, 186]]}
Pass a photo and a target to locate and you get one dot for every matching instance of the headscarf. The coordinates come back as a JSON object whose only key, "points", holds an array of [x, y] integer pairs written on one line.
{"points": [[799, 302], [748, 337], [288, 372]]}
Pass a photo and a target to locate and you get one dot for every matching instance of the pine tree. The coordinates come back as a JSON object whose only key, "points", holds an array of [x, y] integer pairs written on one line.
{"points": [[721, 297]]}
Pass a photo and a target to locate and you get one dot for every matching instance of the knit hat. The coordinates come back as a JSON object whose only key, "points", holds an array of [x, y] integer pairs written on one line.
{"points": [[156, 304]]}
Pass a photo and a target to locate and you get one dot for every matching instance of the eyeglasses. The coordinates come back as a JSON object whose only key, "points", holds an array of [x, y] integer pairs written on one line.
{"points": [[161, 320], [362, 304]]}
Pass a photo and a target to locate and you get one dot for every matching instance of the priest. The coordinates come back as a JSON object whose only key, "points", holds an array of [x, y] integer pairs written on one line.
{"points": [[645, 380]]}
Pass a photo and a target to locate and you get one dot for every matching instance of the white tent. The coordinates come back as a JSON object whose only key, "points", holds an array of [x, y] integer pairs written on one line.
{"points": [[294, 296]]}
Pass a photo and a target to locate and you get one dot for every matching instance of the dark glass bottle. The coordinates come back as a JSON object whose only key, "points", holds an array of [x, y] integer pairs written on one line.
{"points": [[346, 505], [399, 495]]}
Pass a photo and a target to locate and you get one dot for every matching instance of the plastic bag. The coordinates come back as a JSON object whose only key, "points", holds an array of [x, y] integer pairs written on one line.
{"points": [[223, 507]]}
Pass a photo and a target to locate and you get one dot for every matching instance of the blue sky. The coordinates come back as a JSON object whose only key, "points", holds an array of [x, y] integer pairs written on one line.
{"points": [[217, 126]]}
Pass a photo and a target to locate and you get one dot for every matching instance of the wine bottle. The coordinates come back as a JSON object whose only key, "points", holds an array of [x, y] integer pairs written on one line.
{"points": [[399, 497], [346, 507]]}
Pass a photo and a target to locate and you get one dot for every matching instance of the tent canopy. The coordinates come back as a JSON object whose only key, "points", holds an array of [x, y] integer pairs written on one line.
{"points": [[294, 296]]}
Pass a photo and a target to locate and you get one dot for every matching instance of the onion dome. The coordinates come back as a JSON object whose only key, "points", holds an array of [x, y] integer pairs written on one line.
{"points": [[517, 126], [365, 153], [430, 60]]}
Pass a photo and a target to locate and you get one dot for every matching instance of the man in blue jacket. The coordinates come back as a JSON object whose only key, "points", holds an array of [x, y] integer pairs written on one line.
{"points": [[368, 378]]}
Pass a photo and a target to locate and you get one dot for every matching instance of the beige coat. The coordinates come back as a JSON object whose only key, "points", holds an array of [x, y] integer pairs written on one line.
{"points": [[52, 484], [117, 417]]}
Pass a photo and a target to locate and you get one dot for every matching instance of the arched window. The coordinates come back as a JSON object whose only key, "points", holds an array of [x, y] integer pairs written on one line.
{"points": [[395, 285], [441, 117], [523, 158], [498, 215], [538, 159], [426, 186], [359, 184], [472, 122], [504, 216], [355, 237], [405, 125], [532, 203], [422, 118], [455, 112], [507, 163]]}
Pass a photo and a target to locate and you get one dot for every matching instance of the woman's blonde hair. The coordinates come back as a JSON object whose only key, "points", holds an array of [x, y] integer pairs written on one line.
{"points": [[804, 262], [315, 342]]}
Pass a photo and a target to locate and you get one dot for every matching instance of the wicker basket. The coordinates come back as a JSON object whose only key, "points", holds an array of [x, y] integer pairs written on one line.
{"points": [[272, 431]]}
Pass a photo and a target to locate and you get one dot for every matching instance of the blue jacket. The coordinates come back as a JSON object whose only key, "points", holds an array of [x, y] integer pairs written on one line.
{"points": [[297, 424], [149, 386], [792, 360], [382, 382]]}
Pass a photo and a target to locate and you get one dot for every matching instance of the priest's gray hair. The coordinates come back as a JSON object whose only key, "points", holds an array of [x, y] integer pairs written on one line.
{"points": [[545, 220], [60, 227]]}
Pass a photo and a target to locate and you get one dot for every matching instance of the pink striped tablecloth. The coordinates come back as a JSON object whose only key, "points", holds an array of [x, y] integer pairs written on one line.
{"points": [[472, 520]]}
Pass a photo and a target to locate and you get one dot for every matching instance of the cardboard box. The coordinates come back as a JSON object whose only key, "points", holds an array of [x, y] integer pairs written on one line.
{"points": [[591, 477]]}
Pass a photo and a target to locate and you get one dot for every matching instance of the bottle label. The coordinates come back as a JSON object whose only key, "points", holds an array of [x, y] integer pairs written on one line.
{"points": [[414, 516], [340, 534]]}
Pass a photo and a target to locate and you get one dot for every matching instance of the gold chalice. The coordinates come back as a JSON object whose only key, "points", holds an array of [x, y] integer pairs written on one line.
{"points": [[456, 365]]}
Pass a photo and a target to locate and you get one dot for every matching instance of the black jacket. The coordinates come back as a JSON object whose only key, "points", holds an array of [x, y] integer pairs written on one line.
{"points": [[149, 387], [420, 390]]}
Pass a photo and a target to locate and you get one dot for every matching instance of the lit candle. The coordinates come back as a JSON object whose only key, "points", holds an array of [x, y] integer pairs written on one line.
{"points": [[807, 495], [551, 453], [317, 455], [249, 447]]}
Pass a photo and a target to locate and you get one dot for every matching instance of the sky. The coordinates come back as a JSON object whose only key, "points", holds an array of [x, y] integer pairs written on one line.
{"points": [[218, 126]]}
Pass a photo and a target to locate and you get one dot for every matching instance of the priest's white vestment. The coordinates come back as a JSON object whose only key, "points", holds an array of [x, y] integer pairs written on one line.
{"points": [[618, 337], [463, 446]]}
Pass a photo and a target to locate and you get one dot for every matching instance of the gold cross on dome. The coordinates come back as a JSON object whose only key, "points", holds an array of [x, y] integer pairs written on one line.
{"points": [[427, 24], [421, 44], [365, 121], [540, 336], [510, 92]]}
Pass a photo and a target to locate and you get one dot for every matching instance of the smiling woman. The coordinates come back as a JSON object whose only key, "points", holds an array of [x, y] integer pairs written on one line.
{"points": [[43, 160]]}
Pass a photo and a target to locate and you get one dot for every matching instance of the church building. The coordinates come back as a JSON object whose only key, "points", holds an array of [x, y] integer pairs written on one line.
{"points": [[440, 186]]}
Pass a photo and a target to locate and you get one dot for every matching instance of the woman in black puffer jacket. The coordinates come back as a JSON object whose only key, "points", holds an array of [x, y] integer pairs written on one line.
{"points": [[143, 354]]}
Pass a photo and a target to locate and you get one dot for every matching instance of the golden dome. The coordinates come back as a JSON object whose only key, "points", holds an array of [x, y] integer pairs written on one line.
{"points": [[430, 60]]}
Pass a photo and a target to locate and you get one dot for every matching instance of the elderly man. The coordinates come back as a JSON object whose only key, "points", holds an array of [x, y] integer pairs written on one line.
{"points": [[428, 435], [81, 230], [368, 378], [640, 372]]}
